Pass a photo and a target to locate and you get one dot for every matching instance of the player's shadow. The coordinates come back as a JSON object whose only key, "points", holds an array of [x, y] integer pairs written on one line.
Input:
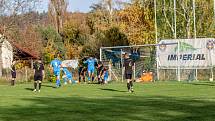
{"points": [[112, 90], [44, 85], [93, 83], [29, 89]]}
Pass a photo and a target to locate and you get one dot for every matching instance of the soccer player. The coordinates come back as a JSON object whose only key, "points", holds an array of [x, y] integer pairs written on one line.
{"points": [[105, 74], [67, 75], [100, 68], [56, 65], [82, 73], [13, 73], [128, 70], [91, 62], [39, 75], [82, 70]]}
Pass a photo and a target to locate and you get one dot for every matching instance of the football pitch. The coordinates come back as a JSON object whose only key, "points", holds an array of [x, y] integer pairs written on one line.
{"points": [[160, 101]]}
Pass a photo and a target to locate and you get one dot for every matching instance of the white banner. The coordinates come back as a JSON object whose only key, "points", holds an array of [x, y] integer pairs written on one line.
{"points": [[193, 53], [70, 63]]}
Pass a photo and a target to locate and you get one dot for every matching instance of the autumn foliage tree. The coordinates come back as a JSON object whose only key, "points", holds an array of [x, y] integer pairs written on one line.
{"points": [[136, 21], [52, 43]]}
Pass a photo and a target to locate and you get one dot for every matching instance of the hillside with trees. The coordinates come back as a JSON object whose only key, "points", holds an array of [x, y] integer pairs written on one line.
{"points": [[108, 23]]}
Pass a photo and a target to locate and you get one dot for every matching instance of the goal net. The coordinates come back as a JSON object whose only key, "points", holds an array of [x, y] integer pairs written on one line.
{"points": [[144, 57]]}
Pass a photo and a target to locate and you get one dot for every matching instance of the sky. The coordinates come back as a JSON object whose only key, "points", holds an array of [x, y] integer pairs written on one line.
{"points": [[74, 5]]}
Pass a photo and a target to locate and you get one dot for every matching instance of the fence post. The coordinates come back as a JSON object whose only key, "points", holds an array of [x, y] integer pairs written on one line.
{"points": [[211, 75], [110, 70], [134, 71], [178, 62], [26, 74], [157, 64], [100, 57], [1, 63], [32, 63], [122, 65], [196, 74], [211, 66]]}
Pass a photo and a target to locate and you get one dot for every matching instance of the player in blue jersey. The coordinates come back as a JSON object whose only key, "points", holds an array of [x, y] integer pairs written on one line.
{"points": [[67, 76], [91, 62], [56, 65], [105, 74]]}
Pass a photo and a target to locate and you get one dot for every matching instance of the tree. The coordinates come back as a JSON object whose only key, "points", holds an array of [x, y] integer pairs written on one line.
{"points": [[57, 13], [11, 10], [99, 17], [136, 21], [93, 44], [52, 43], [17, 22], [113, 37], [75, 35], [185, 18]]}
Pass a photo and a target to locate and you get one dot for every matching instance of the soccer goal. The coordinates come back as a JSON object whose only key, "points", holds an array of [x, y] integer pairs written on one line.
{"points": [[145, 59]]}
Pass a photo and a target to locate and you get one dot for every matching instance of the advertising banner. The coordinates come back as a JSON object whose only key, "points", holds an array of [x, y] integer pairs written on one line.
{"points": [[190, 54]]}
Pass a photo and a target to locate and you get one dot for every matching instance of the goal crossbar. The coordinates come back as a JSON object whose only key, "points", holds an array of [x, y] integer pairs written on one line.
{"points": [[145, 45]]}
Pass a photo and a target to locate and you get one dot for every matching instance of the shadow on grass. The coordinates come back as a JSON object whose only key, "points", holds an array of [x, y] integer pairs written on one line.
{"points": [[121, 108], [93, 83], [113, 90], [45, 85], [203, 83], [29, 89]]}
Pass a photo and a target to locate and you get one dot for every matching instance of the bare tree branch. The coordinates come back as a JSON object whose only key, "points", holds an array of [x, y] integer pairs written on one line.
{"points": [[57, 12], [167, 20]]}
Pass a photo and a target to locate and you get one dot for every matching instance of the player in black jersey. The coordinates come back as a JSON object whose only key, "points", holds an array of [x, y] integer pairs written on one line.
{"points": [[100, 68], [128, 71], [39, 75], [13, 73], [82, 70]]}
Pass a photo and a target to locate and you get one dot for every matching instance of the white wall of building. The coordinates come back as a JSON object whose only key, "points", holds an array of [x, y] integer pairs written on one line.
{"points": [[7, 54]]}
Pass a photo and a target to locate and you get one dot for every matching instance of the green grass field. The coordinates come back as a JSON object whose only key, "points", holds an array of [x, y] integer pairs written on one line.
{"points": [[160, 101]]}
